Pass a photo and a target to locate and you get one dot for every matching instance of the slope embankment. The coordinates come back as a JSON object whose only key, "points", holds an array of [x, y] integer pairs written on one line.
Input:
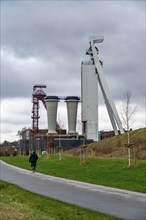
{"points": [[115, 147]]}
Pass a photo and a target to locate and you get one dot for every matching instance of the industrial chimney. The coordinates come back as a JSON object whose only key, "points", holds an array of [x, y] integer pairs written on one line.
{"points": [[72, 105], [51, 107]]}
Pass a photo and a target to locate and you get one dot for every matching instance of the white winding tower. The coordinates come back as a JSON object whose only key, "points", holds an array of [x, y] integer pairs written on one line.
{"points": [[91, 75]]}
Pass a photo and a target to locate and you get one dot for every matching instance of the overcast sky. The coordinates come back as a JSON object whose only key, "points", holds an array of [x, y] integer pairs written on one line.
{"points": [[44, 42]]}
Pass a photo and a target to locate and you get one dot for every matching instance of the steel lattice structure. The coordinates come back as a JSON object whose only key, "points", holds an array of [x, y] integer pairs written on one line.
{"points": [[38, 95]]}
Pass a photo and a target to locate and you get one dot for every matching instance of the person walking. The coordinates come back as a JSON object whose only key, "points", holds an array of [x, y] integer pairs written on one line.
{"points": [[33, 160]]}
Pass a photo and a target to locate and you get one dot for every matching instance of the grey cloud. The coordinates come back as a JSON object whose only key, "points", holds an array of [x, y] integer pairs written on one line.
{"points": [[39, 28], [19, 75]]}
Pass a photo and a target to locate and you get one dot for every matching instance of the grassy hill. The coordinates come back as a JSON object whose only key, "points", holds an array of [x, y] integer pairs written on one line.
{"points": [[114, 147]]}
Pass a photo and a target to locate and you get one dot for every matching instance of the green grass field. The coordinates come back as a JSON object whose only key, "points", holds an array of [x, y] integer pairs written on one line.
{"points": [[107, 172], [19, 204]]}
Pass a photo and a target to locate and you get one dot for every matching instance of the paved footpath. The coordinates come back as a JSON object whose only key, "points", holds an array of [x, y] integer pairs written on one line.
{"points": [[120, 203]]}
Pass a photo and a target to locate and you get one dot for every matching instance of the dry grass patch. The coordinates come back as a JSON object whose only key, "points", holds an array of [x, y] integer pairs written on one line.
{"points": [[7, 212]]}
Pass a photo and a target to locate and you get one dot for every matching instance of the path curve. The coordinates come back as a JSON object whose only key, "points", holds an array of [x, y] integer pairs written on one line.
{"points": [[120, 203]]}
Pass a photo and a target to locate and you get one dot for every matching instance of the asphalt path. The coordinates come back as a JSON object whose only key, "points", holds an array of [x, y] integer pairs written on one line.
{"points": [[119, 203]]}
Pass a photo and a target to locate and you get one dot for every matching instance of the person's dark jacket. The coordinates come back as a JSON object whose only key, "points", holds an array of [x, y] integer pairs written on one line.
{"points": [[33, 157]]}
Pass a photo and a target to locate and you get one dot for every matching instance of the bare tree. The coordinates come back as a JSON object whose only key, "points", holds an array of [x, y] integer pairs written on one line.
{"points": [[128, 111]]}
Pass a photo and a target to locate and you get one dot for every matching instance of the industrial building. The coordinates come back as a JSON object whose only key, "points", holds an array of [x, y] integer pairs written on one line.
{"points": [[92, 78]]}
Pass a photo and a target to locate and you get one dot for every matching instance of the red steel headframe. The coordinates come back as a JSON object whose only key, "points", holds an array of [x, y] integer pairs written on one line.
{"points": [[38, 95]]}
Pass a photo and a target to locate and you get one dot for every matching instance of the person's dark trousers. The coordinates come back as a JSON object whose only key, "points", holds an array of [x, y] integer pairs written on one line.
{"points": [[33, 165]]}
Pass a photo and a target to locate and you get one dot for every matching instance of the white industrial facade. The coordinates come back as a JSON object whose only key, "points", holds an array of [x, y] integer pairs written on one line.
{"points": [[89, 94]]}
